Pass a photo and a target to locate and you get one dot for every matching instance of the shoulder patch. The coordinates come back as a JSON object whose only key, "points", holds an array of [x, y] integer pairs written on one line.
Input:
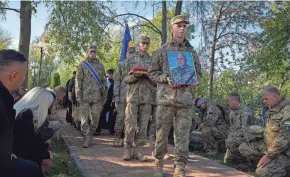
{"points": [[286, 125]]}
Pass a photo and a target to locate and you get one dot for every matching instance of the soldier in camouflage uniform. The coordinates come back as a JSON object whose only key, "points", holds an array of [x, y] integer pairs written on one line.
{"points": [[174, 102], [90, 95], [152, 123], [276, 161], [120, 98], [139, 101], [183, 73], [213, 125], [238, 125]]}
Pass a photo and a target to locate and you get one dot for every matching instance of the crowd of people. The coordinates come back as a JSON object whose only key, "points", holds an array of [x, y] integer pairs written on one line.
{"points": [[140, 103]]}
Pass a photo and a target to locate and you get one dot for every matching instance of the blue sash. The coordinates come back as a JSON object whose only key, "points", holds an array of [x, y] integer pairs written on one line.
{"points": [[94, 73]]}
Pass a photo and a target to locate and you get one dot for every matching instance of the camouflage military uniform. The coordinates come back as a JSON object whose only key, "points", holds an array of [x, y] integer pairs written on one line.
{"points": [[139, 100], [120, 91], [253, 146], [214, 128], [238, 123], [183, 74], [152, 124], [174, 105], [277, 140], [90, 95]]}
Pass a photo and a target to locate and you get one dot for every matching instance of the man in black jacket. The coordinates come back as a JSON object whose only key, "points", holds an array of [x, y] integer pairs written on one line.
{"points": [[13, 67]]}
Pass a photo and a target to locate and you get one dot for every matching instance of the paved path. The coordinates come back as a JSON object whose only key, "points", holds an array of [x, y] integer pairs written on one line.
{"points": [[104, 160]]}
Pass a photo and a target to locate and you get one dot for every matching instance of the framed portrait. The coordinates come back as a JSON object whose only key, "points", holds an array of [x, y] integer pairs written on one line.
{"points": [[182, 68]]}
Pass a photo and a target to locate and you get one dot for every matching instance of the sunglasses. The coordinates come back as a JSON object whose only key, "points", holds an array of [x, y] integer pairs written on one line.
{"points": [[199, 106], [92, 51]]}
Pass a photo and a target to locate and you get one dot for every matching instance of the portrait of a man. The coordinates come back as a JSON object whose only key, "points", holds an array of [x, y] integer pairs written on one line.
{"points": [[182, 71]]}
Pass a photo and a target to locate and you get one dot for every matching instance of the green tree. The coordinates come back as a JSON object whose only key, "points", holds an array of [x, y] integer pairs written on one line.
{"points": [[5, 39], [55, 80]]}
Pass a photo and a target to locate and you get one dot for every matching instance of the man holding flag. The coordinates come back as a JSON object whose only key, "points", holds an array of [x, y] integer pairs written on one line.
{"points": [[120, 87]]}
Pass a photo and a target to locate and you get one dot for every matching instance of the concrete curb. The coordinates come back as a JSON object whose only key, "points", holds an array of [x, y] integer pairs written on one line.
{"points": [[74, 155]]}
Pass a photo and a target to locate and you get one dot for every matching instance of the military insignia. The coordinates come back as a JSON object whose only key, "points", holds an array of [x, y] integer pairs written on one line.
{"points": [[286, 125]]}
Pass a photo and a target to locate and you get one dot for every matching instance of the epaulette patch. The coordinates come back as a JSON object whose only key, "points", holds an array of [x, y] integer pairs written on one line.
{"points": [[286, 125]]}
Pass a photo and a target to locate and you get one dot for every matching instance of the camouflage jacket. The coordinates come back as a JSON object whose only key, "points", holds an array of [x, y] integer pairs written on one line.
{"points": [[86, 87], [119, 86], [139, 89], [159, 71], [239, 119], [277, 130], [184, 75], [213, 116]]}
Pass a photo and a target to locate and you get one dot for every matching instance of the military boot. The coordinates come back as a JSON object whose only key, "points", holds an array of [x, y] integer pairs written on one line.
{"points": [[116, 142], [139, 155], [179, 170], [127, 152], [158, 168], [168, 157], [87, 141]]}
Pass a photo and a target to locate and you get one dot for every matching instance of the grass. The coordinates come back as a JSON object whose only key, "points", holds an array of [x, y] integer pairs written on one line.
{"points": [[63, 163]]}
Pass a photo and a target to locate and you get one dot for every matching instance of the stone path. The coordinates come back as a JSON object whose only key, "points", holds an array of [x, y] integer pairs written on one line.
{"points": [[104, 160]]}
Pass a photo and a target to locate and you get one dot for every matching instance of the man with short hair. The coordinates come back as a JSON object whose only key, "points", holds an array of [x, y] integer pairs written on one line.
{"points": [[174, 102], [238, 124], [91, 93], [275, 162], [213, 125], [139, 100], [120, 98], [13, 67]]}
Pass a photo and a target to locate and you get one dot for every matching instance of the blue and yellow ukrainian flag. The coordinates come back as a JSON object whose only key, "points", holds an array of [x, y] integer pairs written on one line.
{"points": [[127, 42]]}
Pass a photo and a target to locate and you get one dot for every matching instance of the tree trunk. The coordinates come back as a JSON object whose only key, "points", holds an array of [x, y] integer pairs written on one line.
{"points": [[25, 32], [178, 7], [164, 23], [212, 56]]}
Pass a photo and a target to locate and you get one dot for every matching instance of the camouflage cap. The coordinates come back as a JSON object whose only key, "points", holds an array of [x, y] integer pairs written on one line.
{"points": [[93, 48], [131, 49], [179, 18], [256, 129], [144, 39]]}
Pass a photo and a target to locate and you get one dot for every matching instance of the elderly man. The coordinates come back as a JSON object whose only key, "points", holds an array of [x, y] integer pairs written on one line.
{"points": [[183, 74], [174, 102], [91, 93], [276, 161]]}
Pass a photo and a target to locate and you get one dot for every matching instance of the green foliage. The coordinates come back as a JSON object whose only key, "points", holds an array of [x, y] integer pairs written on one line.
{"points": [[55, 80], [5, 39], [70, 35]]}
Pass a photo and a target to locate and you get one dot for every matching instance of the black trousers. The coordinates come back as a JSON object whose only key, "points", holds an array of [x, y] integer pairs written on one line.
{"points": [[103, 124]]}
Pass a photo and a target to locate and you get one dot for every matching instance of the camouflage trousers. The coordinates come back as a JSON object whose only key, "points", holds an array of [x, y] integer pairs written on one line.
{"points": [[136, 122], [152, 125], [253, 151], [119, 125], [180, 119], [278, 167], [88, 110], [212, 136], [232, 144]]}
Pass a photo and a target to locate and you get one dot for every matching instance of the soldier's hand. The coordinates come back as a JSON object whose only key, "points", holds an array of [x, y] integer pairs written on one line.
{"points": [[170, 82], [263, 161], [201, 125], [194, 85], [138, 74]]}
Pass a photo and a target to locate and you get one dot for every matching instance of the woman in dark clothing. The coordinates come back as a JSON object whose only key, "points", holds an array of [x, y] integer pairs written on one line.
{"points": [[31, 135]]}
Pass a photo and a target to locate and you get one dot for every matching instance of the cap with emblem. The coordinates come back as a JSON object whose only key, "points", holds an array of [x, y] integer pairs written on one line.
{"points": [[144, 39], [179, 18], [93, 48], [131, 49]]}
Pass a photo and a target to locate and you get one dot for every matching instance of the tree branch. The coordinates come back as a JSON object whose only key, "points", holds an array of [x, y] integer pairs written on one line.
{"points": [[153, 26], [8, 8]]}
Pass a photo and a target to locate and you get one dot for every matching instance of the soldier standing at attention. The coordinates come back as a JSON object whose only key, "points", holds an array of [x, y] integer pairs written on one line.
{"points": [[238, 123], [90, 86], [213, 126], [120, 98], [275, 163], [174, 103], [139, 100]]}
